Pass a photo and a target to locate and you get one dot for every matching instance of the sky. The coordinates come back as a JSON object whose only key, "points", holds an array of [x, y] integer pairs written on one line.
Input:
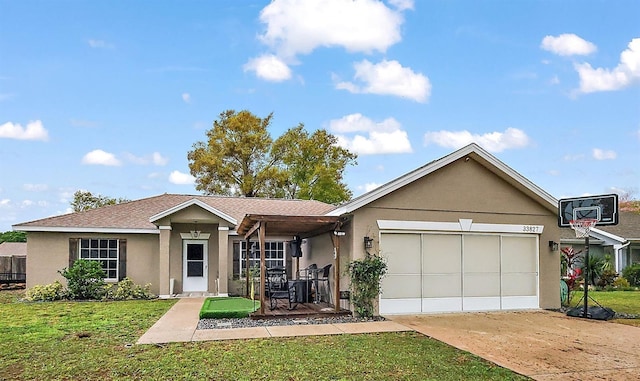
{"points": [[109, 97]]}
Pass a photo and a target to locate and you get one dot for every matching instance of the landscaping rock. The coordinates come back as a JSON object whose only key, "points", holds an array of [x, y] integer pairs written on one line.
{"points": [[248, 322]]}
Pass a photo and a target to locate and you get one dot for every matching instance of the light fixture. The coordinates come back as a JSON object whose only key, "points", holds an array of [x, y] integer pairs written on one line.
{"points": [[195, 233], [368, 242], [553, 246]]}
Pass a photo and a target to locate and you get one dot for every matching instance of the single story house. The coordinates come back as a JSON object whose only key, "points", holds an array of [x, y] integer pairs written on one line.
{"points": [[462, 233], [621, 242]]}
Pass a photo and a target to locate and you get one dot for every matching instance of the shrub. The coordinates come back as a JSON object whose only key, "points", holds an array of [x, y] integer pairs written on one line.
{"points": [[607, 278], [632, 274], [45, 293], [126, 289], [621, 283], [85, 280], [366, 275]]}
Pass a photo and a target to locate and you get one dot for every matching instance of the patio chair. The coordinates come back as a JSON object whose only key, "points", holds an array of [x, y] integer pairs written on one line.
{"points": [[279, 288], [326, 270]]}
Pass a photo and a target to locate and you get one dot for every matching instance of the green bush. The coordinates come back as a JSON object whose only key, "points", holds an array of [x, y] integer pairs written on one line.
{"points": [[621, 283], [45, 293], [607, 277], [85, 280], [126, 289], [366, 275], [632, 274]]}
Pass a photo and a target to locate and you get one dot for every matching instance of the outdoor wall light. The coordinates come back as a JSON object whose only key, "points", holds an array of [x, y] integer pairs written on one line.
{"points": [[368, 243], [553, 246]]}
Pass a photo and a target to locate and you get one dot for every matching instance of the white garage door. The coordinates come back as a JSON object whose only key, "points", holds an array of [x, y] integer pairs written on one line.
{"points": [[458, 272]]}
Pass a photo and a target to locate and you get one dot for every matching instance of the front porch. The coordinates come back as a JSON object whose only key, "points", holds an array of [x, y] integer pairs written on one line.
{"points": [[301, 311]]}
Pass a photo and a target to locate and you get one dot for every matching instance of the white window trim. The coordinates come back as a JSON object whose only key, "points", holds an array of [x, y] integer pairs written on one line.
{"points": [[242, 260], [117, 259]]}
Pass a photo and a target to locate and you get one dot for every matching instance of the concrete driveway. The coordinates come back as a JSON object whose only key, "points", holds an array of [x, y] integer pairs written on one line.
{"points": [[543, 345]]}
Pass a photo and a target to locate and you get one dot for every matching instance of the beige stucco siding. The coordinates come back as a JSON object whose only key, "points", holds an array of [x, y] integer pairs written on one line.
{"points": [[466, 190], [49, 253]]}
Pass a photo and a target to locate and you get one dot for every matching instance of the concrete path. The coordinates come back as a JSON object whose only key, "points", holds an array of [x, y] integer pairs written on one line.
{"points": [[180, 322]]}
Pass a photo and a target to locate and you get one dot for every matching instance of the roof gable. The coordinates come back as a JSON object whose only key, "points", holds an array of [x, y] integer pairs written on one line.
{"points": [[189, 203], [472, 150]]}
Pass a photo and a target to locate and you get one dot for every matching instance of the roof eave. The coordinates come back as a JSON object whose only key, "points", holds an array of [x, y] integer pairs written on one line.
{"points": [[189, 203], [83, 229]]}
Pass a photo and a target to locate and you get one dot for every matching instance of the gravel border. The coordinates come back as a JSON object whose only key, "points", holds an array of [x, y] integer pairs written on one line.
{"points": [[248, 322]]}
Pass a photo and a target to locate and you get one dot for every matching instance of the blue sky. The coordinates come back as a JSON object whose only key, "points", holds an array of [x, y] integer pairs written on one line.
{"points": [[110, 96]]}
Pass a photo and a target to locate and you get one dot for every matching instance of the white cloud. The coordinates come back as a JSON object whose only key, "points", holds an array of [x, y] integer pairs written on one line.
{"points": [[5, 202], [100, 44], [27, 203], [33, 131], [401, 5], [100, 157], [35, 187], [186, 97], [368, 187], [155, 158], [298, 27], [554, 80], [567, 44], [388, 78], [600, 154], [626, 73], [269, 68], [511, 138], [177, 177], [379, 138]]}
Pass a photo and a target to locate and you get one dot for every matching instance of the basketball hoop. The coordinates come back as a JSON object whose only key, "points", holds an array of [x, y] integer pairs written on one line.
{"points": [[583, 226]]}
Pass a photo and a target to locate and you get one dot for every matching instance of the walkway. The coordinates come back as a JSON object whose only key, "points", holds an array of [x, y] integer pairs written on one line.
{"points": [[180, 322]]}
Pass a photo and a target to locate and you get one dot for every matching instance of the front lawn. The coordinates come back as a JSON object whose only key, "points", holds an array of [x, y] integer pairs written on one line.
{"points": [[92, 340]]}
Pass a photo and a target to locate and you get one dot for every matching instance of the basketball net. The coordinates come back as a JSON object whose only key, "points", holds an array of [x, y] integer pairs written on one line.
{"points": [[583, 226]]}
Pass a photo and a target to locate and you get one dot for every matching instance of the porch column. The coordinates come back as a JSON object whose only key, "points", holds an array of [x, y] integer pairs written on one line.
{"points": [[223, 261], [163, 261]]}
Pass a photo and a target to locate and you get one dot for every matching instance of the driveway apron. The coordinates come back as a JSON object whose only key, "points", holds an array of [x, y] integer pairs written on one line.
{"points": [[543, 345]]}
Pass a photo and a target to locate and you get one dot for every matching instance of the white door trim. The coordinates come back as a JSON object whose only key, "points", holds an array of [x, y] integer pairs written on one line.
{"points": [[195, 284]]}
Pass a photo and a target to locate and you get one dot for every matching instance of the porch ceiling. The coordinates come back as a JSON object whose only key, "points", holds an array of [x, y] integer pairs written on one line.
{"points": [[303, 226]]}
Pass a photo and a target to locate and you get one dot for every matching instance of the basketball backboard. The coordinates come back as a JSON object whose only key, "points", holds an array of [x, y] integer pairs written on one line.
{"points": [[603, 208]]}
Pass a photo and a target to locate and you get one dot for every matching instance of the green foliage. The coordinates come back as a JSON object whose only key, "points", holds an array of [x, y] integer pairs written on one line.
{"points": [[607, 277], [85, 280], [632, 274], [85, 200], [315, 165], [366, 275], [45, 293], [595, 267], [126, 289], [13, 236], [621, 283], [240, 158]]}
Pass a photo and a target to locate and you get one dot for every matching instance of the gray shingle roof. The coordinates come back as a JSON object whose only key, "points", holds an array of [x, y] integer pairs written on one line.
{"points": [[13, 248], [135, 214]]}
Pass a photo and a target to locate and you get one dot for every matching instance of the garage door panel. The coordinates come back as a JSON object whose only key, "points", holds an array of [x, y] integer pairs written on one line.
{"points": [[441, 253], [431, 305], [481, 284], [519, 285], [402, 252], [400, 306], [481, 253], [518, 254], [440, 286], [395, 286], [481, 303]]}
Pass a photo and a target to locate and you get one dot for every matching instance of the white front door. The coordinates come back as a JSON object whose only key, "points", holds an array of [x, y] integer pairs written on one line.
{"points": [[194, 265]]}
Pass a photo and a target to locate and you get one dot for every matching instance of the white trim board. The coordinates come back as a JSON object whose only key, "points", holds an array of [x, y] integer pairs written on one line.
{"points": [[463, 225]]}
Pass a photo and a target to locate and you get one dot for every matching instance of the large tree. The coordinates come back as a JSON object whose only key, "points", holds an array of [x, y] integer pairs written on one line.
{"points": [[85, 200], [240, 158], [314, 164], [13, 236]]}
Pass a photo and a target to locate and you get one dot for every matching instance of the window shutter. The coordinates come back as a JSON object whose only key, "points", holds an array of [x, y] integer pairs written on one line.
{"points": [[122, 259], [236, 260], [73, 251]]}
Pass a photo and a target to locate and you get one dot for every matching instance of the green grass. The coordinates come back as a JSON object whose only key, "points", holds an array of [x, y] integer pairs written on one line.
{"points": [[90, 340], [237, 307], [627, 302]]}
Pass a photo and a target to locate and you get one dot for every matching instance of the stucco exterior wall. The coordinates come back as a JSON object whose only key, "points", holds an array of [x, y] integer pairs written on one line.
{"points": [[49, 253], [465, 190]]}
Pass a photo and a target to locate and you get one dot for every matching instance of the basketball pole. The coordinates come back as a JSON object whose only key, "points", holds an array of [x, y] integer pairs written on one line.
{"points": [[586, 276]]}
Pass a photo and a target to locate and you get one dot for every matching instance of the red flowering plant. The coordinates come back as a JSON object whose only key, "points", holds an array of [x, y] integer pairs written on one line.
{"points": [[572, 273]]}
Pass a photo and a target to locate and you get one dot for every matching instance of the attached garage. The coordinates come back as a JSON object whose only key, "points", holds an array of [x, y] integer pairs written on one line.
{"points": [[433, 271], [462, 233]]}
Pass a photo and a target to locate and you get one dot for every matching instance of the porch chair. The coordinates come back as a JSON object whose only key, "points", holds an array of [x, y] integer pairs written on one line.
{"points": [[279, 288], [326, 279]]}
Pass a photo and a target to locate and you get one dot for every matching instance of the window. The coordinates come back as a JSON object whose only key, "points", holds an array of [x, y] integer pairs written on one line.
{"points": [[273, 252], [103, 250]]}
